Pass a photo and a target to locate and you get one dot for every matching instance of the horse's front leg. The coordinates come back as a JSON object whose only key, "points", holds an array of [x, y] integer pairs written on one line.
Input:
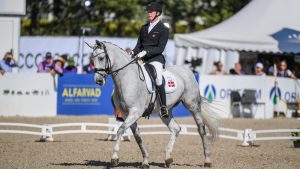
{"points": [[133, 116]]}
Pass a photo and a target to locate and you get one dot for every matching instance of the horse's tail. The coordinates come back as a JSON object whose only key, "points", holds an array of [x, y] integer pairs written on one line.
{"points": [[209, 117]]}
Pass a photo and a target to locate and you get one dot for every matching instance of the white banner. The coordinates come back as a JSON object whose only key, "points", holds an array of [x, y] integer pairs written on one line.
{"points": [[27, 94], [219, 88], [33, 49]]}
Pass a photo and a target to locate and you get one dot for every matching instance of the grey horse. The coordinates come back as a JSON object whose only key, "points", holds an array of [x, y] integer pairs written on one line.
{"points": [[132, 98]]}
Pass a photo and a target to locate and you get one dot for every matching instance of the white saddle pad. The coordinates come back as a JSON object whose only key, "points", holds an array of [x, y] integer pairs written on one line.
{"points": [[170, 81]]}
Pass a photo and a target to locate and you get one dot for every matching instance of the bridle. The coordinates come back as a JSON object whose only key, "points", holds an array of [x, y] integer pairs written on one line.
{"points": [[108, 67]]}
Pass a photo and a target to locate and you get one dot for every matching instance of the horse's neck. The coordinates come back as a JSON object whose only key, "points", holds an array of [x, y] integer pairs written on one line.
{"points": [[121, 59]]}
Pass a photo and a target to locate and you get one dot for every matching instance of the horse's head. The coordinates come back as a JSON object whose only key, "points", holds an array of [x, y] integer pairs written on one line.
{"points": [[102, 63]]}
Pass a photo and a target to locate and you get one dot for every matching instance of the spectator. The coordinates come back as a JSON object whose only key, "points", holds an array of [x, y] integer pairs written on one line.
{"points": [[1, 71], [89, 68], [128, 50], [283, 71], [296, 71], [59, 63], [71, 68], [259, 69], [237, 69], [271, 68], [219, 69], [46, 65], [7, 63]]}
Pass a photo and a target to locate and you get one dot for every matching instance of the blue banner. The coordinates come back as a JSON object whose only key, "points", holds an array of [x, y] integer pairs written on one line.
{"points": [[79, 95]]}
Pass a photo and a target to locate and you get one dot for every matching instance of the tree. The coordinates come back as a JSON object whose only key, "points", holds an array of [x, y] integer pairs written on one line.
{"points": [[210, 12], [122, 18]]}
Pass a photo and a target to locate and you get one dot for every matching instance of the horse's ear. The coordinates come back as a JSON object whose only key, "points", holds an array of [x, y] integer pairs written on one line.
{"points": [[98, 43], [89, 45]]}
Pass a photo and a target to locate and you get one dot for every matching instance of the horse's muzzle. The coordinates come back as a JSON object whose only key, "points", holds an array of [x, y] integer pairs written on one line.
{"points": [[100, 80]]}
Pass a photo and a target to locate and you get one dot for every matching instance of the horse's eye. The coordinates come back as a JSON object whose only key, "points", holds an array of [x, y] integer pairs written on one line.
{"points": [[100, 59]]}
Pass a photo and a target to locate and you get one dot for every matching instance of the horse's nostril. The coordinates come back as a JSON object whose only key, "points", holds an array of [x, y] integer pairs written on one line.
{"points": [[101, 81]]}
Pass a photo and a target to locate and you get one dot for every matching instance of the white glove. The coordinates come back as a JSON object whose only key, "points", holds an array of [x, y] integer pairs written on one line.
{"points": [[141, 54]]}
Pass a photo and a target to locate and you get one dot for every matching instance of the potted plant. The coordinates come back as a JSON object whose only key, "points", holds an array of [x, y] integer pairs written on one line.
{"points": [[297, 141]]}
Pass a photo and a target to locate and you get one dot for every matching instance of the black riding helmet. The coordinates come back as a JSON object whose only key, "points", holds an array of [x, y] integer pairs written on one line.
{"points": [[154, 6]]}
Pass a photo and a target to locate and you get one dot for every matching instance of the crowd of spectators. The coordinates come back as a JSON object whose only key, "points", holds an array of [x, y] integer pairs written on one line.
{"points": [[64, 64], [260, 70], [59, 66]]}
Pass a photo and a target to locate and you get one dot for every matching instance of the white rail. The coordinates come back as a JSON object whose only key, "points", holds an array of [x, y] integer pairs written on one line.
{"points": [[49, 130]]}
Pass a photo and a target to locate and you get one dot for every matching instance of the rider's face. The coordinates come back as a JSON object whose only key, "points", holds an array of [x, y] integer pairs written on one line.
{"points": [[152, 15]]}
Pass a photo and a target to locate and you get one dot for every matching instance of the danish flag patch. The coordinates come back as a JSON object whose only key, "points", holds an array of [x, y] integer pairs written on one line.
{"points": [[171, 83]]}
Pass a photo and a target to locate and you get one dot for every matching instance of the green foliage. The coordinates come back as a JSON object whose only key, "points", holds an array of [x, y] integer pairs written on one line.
{"points": [[122, 18], [295, 134]]}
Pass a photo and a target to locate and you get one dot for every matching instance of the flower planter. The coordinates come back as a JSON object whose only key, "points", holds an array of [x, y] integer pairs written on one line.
{"points": [[296, 143]]}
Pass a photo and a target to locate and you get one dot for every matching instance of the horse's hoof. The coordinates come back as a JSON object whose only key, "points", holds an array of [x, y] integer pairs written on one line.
{"points": [[145, 166], [169, 161], [114, 162], [207, 164]]}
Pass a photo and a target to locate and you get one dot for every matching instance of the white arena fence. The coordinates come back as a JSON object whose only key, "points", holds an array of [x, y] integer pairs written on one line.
{"points": [[47, 131]]}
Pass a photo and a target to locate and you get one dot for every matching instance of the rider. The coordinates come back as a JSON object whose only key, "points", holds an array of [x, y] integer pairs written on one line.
{"points": [[151, 43]]}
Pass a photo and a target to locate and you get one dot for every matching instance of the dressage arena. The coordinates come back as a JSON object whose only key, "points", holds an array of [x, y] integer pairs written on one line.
{"points": [[72, 151]]}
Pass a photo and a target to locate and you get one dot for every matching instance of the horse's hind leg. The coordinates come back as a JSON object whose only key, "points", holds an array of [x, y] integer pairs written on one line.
{"points": [[175, 129], [201, 131], [138, 139], [194, 106]]}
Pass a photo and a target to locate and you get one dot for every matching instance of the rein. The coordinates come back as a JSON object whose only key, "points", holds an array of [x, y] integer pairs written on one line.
{"points": [[108, 68]]}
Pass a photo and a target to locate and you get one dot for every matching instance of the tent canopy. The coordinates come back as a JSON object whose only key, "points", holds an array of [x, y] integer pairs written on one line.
{"points": [[261, 26]]}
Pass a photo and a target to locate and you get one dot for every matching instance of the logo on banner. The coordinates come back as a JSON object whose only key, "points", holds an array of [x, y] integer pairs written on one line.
{"points": [[210, 92], [274, 94], [33, 92], [77, 94]]}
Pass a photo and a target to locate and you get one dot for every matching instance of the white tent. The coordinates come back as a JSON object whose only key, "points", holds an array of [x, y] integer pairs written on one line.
{"points": [[261, 26]]}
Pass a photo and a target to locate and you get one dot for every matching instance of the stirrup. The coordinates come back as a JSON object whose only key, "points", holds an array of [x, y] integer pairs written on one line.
{"points": [[164, 112]]}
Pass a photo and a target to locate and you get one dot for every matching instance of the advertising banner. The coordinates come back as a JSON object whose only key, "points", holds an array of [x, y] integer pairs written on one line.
{"points": [[33, 49], [79, 95], [26, 94], [217, 89]]}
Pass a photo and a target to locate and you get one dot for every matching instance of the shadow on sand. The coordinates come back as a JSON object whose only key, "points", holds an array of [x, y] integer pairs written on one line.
{"points": [[106, 165]]}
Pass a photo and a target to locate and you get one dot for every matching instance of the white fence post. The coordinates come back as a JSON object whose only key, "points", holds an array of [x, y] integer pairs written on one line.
{"points": [[47, 133], [183, 129], [247, 137], [83, 127]]}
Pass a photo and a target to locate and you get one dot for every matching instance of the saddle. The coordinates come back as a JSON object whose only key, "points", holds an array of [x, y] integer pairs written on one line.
{"points": [[150, 75]]}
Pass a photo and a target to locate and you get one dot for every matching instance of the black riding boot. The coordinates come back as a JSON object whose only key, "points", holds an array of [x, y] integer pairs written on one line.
{"points": [[162, 96]]}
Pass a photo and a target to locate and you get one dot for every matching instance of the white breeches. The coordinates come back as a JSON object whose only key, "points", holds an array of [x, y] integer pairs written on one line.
{"points": [[159, 70]]}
